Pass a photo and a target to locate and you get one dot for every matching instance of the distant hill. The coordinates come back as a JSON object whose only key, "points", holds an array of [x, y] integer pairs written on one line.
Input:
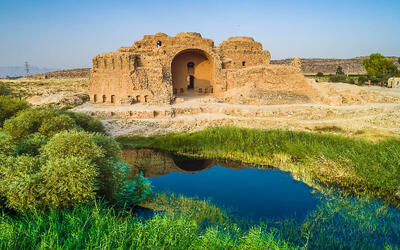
{"points": [[329, 66], [15, 71], [67, 73]]}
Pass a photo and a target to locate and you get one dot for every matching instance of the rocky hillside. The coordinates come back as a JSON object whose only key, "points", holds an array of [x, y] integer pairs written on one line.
{"points": [[68, 73], [329, 66]]}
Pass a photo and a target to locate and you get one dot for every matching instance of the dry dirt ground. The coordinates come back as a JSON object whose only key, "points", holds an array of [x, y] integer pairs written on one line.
{"points": [[365, 119]]}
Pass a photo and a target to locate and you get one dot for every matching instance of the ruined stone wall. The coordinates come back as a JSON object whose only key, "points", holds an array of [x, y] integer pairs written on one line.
{"points": [[154, 70]]}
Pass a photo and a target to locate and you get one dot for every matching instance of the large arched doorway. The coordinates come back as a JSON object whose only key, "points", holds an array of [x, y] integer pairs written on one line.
{"points": [[192, 73]]}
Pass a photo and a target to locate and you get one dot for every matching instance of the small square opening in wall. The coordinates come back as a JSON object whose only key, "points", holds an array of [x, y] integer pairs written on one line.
{"points": [[243, 63], [159, 43]]}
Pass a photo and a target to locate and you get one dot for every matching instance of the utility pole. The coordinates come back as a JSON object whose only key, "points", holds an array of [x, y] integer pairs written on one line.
{"points": [[27, 68]]}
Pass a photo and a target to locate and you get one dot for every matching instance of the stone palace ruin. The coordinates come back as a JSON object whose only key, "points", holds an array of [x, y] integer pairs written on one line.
{"points": [[159, 68]]}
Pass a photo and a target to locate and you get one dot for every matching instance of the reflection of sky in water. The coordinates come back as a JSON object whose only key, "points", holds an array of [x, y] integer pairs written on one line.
{"points": [[249, 192]]}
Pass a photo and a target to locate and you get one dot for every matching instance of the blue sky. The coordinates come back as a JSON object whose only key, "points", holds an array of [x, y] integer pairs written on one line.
{"points": [[67, 34]]}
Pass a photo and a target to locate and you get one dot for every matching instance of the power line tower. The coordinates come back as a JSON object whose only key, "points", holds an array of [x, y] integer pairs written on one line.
{"points": [[27, 68]]}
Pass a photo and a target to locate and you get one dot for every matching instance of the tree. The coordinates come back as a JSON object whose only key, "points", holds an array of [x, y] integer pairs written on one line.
{"points": [[377, 65], [339, 70]]}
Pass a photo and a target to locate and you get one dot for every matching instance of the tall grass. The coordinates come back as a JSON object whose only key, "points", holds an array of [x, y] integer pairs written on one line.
{"points": [[355, 165], [100, 227]]}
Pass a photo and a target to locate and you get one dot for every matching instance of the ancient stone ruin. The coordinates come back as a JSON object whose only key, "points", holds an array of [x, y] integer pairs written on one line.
{"points": [[159, 68]]}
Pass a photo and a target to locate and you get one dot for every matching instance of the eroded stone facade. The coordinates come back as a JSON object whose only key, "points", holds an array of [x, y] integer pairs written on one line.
{"points": [[159, 68]]}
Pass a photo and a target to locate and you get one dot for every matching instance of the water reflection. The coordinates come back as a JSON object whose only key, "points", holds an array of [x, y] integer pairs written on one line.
{"points": [[249, 192]]}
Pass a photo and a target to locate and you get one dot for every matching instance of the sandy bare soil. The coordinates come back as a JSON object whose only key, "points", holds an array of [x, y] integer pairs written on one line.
{"points": [[369, 120]]}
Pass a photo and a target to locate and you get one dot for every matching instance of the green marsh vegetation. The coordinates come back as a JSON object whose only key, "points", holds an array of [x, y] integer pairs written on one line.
{"points": [[355, 166]]}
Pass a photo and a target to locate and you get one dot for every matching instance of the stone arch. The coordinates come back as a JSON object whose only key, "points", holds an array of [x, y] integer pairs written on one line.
{"points": [[112, 99], [192, 69], [94, 98]]}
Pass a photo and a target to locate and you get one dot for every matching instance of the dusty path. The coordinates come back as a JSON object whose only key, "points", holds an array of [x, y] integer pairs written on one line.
{"points": [[374, 120]]}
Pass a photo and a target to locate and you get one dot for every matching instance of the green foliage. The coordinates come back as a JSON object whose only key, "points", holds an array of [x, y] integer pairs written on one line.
{"points": [[31, 144], [339, 70], [36, 120], [377, 65], [136, 190], [9, 107], [86, 122], [5, 89], [320, 74], [362, 79], [366, 168], [351, 81], [49, 122], [337, 78], [20, 182], [52, 125], [7, 146], [98, 227], [67, 182], [72, 144]]}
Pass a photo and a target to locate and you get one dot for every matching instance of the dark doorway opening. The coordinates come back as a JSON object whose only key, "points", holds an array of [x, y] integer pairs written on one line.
{"points": [[191, 82]]}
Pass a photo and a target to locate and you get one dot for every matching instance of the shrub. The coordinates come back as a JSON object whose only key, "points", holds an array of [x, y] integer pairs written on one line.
{"points": [[67, 182], [339, 70], [20, 183], [86, 122], [7, 145], [362, 79], [72, 144], [32, 144], [52, 125], [5, 89], [27, 122], [320, 74], [337, 78], [9, 107], [136, 190], [351, 81]]}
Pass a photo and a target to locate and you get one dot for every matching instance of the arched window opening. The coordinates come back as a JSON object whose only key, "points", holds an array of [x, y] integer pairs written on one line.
{"points": [[138, 98], [243, 63], [113, 63], [146, 98], [159, 44], [112, 98], [94, 98], [190, 64], [104, 98]]}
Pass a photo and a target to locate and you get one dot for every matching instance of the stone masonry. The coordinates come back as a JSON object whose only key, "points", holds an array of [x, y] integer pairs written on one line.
{"points": [[159, 68]]}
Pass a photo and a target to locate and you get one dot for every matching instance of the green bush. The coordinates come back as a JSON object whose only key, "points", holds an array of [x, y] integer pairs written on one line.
{"points": [[72, 144], [20, 182], [339, 70], [32, 144], [9, 107], [86, 122], [337, 78], [67, 182], [320, 74], [52, 125], [5, 89], [134, 191], [362, 79], [351, 81], [49, 122], [7, 145]]}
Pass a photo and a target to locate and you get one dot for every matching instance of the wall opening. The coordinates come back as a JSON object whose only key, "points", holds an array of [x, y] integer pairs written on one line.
{"points": [[146, 98], [192, 69], [243, 63], [94, 98], [104, 98], [159, 43], [112, 98]]}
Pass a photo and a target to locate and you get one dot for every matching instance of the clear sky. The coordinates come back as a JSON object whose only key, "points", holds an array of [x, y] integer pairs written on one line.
{"points": [[68, 33]]}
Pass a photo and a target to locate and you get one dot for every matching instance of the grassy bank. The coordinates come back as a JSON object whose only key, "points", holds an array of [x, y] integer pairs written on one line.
{"points": [[100, 227], [354, 165]]}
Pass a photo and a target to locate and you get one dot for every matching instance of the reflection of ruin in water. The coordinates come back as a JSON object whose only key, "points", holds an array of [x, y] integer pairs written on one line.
{"points": [[153, 163]]}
